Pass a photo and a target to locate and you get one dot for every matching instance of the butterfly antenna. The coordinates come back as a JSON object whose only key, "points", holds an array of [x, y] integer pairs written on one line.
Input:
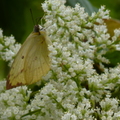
{"points": [[38, 19], [32, 16]]}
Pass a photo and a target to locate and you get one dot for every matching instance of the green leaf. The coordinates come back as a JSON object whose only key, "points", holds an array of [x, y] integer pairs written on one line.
{"points": [[84, 3], [114, 57]]}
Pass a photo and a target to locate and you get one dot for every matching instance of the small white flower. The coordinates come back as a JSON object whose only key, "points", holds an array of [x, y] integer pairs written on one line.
{"points": [[117, 32], [1, 33], [1, 47], [9, 40]]}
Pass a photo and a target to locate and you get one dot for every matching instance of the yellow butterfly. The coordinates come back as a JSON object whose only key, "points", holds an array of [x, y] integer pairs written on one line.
{"points": [[32, 61]]}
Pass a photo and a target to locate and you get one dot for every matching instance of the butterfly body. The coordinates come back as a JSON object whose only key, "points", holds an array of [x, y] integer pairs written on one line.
{"points": [[32, 61]]}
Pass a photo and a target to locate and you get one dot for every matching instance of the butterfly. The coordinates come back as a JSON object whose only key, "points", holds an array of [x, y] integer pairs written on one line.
{"points": [[32, 61]]}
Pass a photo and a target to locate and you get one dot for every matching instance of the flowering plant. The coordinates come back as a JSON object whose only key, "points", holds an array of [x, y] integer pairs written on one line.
{"points": [[79, 85]]}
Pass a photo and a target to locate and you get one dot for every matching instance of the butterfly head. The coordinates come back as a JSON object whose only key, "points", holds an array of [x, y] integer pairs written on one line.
{"points": [[38, 28]]}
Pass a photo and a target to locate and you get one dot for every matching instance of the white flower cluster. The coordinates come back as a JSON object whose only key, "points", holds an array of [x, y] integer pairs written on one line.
{"points": [[73, 24], [8, 48], [13, 103], [74, 90]]}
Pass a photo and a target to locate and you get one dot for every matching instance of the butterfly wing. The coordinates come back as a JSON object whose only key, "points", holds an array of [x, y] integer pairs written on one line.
{"points": [[37, 62], [31, 62]]}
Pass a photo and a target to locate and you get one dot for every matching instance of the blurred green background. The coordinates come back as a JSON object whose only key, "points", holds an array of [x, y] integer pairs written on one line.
{"points": [[16, 17]]}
